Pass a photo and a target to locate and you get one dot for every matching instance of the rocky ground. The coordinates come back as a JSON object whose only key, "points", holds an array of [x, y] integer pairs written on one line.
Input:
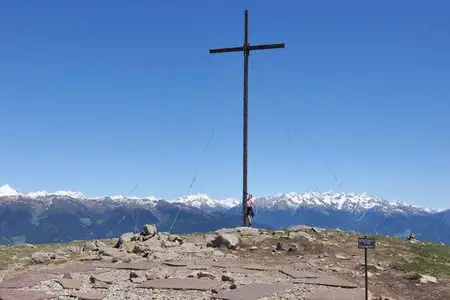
{"points": [[296, 263]]}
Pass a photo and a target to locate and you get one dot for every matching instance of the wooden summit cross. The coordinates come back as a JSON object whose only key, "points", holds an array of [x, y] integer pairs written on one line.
{"points": [[246, 48]]}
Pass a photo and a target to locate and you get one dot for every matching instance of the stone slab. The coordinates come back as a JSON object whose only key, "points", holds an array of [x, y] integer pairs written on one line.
{"points": [[25, 280], [181, 284], [257, 267], [143, 265], [110, 277], [24, 295], [71, 269], [339, 294], [199, 267], [253, 291], [327, 281], [69, 284], [299, 274], [88, 296], [222, 265], [240, 270], [174, 263]]}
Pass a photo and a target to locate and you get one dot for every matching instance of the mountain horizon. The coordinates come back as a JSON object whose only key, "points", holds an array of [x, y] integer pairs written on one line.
{"points": [[42, 217], [7, 190]]}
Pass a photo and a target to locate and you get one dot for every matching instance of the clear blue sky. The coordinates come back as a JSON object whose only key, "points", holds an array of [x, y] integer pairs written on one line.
{"points": [[95, 95]]}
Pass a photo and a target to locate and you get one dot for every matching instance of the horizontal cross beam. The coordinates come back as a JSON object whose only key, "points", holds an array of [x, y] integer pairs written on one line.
{"points": [[250, 48]]}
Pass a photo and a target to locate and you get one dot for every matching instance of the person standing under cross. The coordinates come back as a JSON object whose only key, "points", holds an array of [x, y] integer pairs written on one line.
{"points": [[250, 211]]}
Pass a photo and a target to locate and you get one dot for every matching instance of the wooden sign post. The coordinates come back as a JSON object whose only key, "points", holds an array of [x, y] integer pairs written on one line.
{"points": [[366, 243]]}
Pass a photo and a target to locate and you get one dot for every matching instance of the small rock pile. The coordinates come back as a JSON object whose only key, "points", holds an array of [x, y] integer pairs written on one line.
{"points": [[147, 242]]}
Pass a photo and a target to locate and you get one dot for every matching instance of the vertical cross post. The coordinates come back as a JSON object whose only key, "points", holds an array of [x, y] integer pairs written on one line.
{"points": [[245, 150], [246, 48]]}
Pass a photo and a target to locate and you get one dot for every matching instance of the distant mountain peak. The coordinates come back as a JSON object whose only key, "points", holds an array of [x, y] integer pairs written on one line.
{"points": [[7, 191]]}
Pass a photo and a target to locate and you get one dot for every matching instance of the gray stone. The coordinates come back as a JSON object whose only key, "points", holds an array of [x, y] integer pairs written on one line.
{"points": [[139, 237], [89, 246], [248, 231], [101, 245], [43, 257], [297, 228], [150, 230], [189, 248], [203, 274], [300, 235], [128, 246], [175, 238], [100, 285], [218, 253], [137, 277], [261, 238], [67, 283], [151, 245], [72, 249], [126, 237], [114, 253], [427, 278], [225, 240], [169, 244], [227, 277], [341, 256], [289, 247]]}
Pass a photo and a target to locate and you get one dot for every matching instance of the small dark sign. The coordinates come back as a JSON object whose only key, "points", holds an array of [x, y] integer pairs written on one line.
{"points": [[366, 243]]}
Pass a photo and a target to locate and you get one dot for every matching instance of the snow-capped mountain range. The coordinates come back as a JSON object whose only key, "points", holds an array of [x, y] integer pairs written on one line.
{"points": [[283, 201], [44, 217]]}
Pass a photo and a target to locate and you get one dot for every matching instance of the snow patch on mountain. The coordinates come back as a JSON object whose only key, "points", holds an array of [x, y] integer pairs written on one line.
{"points": [[43, 194], [335, 200], [203, 201], [7, 191]]}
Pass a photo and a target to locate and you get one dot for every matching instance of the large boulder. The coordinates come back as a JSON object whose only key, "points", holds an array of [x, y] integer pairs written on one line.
{"points": [[148, 246], [248, 231], [297, 228], [175, 238], [150, 230], [101, 245], [301, 235], [124, 238], [89, 246], [225, 240], [43, 257], [129, 246]]}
